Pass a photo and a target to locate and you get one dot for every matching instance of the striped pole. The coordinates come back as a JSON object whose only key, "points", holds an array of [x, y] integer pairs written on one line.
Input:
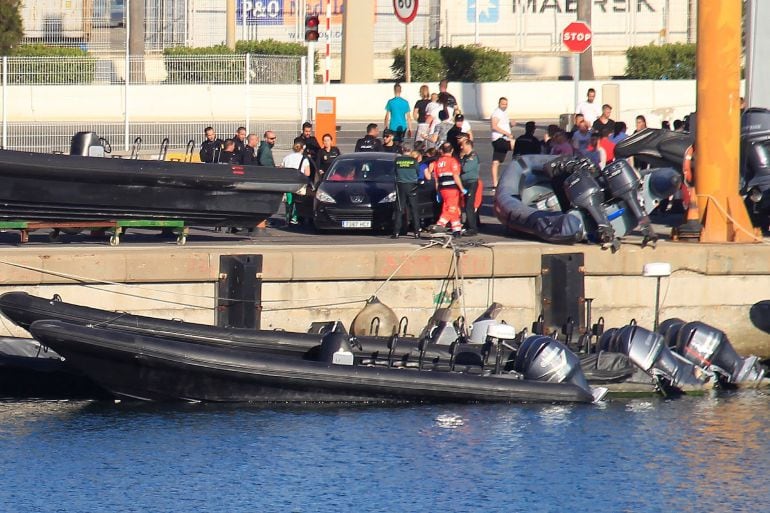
{"points": [[328, 44]]}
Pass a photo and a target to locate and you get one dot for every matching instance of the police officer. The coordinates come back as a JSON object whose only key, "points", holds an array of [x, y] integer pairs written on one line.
{"points": [[406, 193], [211, 147], [370, 142], [469, 161]]}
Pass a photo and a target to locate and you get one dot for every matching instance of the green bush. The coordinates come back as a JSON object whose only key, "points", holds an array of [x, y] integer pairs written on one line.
{"points": [[11, 26], [181, 70], [664, 62], [230, 69], [455, 63], [71, 65], [427, 65]]}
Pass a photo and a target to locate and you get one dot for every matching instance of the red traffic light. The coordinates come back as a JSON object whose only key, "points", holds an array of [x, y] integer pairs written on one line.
{"points": [[312, 24]]}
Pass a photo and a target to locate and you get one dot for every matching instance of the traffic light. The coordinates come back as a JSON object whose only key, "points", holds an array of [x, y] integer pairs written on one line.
{"points": [[312, 24]]}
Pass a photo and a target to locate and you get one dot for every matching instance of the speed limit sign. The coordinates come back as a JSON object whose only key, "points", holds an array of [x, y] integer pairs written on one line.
{"points": [[405, 10]]}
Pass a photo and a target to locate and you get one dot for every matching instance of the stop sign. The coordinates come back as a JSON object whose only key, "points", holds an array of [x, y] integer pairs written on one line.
{"points": [[577, 37]]}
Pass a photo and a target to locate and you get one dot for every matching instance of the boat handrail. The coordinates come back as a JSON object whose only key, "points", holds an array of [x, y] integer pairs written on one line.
{"points": [[135, 148], [163, 149]]}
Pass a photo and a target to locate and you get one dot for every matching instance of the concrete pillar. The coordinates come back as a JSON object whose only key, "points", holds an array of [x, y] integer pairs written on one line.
{"points": [[757, 45], [724, 217], [230, 27], [358, 43]]}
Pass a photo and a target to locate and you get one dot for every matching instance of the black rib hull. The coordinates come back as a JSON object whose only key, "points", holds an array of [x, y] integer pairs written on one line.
{"points": [[152, 368], [42, 187]]}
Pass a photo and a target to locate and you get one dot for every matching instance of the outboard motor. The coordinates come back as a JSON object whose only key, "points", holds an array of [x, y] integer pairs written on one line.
{"points": [[542, 358], [336, 349], [648, 351], [708, 347], [623, 183], [583, 191], [86, 144]]}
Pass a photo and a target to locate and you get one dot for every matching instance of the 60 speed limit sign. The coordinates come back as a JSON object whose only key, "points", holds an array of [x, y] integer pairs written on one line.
{"points": [[405, 10]]}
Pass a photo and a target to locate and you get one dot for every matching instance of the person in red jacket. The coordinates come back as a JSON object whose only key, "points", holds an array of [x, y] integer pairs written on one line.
{"points": [[446, 172]]}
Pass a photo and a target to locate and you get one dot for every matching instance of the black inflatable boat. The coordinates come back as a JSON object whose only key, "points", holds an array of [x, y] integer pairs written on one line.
{"points": [[153, 368], [53, 187], [28, 369]]}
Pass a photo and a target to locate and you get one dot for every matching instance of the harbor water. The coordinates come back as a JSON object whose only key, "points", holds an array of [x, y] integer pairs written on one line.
{"points": [[692, 454]]}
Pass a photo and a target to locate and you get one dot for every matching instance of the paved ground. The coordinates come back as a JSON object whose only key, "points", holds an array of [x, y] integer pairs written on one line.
{"points": [[278, 233]]}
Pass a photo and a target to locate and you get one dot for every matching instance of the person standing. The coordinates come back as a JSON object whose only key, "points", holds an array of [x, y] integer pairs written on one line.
{"points": [[589, 108], [369, 142], [406, 193], [469, 162], [249, 152], [265, 151], [240, 139], [397, 116], [311, 145], [502, 138], [299, 161], [389, 144], [460, 129], [210, 147], [420, 111], [447, 100], [527, 143], [326, 156], [446, 172], [604, 121]]}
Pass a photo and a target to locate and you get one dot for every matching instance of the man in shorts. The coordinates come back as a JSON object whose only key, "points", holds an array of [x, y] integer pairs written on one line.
{"points": [[502, 138]]}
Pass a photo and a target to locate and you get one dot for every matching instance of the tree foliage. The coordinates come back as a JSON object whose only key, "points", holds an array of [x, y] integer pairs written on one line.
{"points": [[11, 28]]}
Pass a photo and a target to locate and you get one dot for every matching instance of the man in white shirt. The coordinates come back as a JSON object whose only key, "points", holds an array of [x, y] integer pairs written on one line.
{"points": [[589, 108], [502, 138]]}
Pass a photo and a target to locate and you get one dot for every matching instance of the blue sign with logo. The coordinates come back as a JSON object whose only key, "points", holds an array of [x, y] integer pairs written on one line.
{"points": [[259, 12], [488, 11]]}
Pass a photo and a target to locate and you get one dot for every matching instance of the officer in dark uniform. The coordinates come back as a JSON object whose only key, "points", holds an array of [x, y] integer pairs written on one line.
{"points": [[406, 193], [211, 147], [249, 152], [369, 142], [240, 139]]}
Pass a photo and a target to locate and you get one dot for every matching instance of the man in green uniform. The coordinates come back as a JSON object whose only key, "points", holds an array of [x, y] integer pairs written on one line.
{"points": [[406, 193], [469, 161]]}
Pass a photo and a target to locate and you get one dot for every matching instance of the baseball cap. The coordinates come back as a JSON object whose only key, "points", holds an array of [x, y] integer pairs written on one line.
{"points": [[459, 117], [387, 132]]}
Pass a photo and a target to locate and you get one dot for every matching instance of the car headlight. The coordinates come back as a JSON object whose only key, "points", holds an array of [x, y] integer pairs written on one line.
{"points": [[390, 198], [324, 197]]}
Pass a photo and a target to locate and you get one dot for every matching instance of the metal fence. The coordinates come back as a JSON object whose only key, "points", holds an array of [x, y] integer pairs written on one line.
{"points": [[155, 69], [528, 29], [56, 135]]}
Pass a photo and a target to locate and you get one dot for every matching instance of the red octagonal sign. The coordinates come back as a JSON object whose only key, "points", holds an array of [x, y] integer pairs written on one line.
{"points": [[577, 37]]}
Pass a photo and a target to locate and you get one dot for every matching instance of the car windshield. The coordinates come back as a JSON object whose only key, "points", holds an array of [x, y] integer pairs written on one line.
{"points": [[361, 170]]}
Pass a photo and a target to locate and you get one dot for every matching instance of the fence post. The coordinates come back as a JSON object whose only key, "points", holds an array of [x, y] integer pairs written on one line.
{"points": [[248, 91], [126, 77], [303, 89], [5, 101]]}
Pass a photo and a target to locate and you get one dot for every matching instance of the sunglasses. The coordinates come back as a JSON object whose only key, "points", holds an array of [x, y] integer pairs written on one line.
{"points": [[271, 138]]}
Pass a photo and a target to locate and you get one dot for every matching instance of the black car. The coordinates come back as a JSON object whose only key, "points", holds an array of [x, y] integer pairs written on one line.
{"points": [[359, 193]]}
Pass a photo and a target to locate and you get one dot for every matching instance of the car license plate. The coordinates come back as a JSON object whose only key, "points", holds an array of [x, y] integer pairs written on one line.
{"points": [[356, 224]]}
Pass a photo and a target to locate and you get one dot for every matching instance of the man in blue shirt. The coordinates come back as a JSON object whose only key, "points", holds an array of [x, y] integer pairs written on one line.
{"points": [[398, 115]]}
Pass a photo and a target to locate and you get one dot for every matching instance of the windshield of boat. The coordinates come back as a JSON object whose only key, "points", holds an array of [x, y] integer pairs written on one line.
{"points": [[362, 169]]}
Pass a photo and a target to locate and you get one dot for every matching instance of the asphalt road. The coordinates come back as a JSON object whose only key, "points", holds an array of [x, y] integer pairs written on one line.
{"points": [[280, 233]]}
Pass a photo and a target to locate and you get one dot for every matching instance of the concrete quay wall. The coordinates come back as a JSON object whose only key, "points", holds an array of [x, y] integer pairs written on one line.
{"points": [[717, 284]]}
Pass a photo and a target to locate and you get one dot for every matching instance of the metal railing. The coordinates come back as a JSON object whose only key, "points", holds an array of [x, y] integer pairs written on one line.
{"points": [[155, 69], [56, 135]]}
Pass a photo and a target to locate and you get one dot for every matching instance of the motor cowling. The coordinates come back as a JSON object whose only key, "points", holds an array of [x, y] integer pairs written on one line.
{"points": [[623, 183], [649, 352], [86, 144], [542, 358], [708, 347], [583, 191]]}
